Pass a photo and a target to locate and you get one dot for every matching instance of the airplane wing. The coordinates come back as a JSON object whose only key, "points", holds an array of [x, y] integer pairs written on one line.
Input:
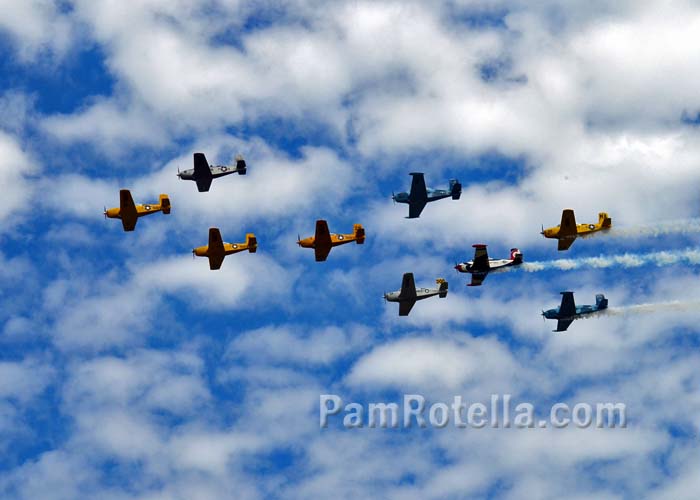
{"points": [[565, 244], [418, 197], [202, 174], [415, 208], [216, 249], [408, 287], [481, 258], [405, 307], [568, 306], [568, 222], [322, 241], [478, 279], [567, 229], [563, 324], [127, 210]]}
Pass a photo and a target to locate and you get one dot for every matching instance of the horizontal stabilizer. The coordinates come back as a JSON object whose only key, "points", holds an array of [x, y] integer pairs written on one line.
{"points": [[241, 165], [251, 242], [165, 203], [443, 287]]}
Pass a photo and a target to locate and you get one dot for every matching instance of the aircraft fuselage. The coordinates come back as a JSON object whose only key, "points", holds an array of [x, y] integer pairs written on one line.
{"points": [[216, 171], [580, 311], [433, 195], [421, 293], [494, 265]]}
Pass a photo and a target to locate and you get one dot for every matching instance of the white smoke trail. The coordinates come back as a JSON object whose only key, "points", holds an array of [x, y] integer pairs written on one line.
{"points": [[674, 306], [683, 226], [688, 256]]}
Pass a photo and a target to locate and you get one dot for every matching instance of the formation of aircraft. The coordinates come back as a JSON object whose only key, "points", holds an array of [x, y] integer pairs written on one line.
{"points": [[567, 231], [420, 196], [217, 250], [409, 294], [568, 311], [482, 265], [203, 173], [129, 212], [323, 240]]}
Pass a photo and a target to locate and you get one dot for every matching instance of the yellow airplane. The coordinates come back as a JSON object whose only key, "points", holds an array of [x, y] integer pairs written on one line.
{"points": [[129, 213], [216, 250], [323, 240], [568, 230]]}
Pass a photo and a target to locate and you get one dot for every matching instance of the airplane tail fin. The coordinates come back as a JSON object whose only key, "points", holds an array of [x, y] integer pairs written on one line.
{"points": [[443, 287], [359, 234], [455, 189], [604, 220], [516, 256], [240, 165], [165, 203], [601, 301], [252, 242]]}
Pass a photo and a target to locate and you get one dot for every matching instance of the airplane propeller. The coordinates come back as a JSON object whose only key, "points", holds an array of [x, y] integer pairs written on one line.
{"points": [[193, 254], [542, 232], [393, 197], [105, 212], [298, 239]]}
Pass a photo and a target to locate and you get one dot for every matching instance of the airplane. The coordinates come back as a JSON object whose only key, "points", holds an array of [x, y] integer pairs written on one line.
{"points": [[129, 213], [421, 196], [203, 173], [568, 311], [409, 294], [568, 230], [323, 240], [216, 250], [481, 266]]}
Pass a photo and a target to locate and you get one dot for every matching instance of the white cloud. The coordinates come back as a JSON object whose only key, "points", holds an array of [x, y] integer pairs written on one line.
{"points": [[16, 167], [420, 362], [285, 344], [35, 26], [589, 96]]}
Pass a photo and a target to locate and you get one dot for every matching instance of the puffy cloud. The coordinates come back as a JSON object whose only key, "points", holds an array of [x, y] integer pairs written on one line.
{"points": [[36, 26], [171, 392], [16, 168]]}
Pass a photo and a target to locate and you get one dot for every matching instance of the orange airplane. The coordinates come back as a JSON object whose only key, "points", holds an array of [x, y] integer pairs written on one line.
{"points": [[129, 213], [323, 240], [216, 250], [568, 230]]}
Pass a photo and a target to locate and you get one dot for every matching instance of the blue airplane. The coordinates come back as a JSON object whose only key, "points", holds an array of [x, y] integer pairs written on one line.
{"points": [[568, 311], [420, 196]]}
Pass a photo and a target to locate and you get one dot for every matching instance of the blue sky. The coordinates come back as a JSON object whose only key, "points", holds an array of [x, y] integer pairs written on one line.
{"points": [[129, 370]]}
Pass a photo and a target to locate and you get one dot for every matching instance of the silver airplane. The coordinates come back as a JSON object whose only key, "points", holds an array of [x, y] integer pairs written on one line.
{"points": [[203, 173], [420, 195], [409, 294]]}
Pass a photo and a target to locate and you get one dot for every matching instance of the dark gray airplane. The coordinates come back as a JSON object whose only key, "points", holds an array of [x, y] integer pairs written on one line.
{"points": [[409, 294], [203, 173], [420, 196], [568, 311]]}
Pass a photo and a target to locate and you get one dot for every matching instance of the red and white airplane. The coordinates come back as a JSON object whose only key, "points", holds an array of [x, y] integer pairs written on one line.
{"points": [[481, 266]]}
